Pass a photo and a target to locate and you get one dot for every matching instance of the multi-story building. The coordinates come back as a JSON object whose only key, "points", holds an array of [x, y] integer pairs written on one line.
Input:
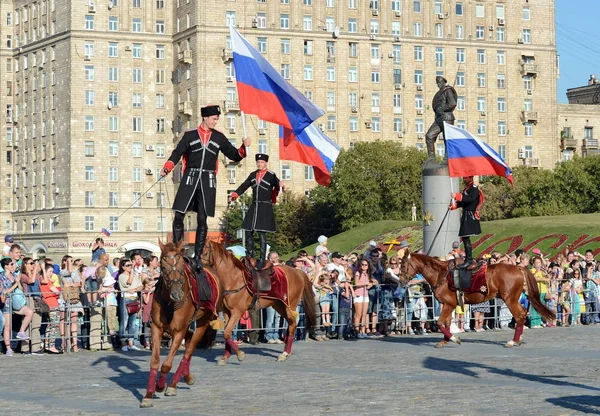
{"points": [[100, 90], [578, 120]]}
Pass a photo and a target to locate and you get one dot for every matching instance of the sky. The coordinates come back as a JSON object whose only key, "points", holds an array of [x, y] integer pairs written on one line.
{"points": [[577, 34]]}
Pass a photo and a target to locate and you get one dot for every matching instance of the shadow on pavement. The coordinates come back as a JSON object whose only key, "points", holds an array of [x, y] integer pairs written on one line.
{"points": [[470, 369], [583, 404]]}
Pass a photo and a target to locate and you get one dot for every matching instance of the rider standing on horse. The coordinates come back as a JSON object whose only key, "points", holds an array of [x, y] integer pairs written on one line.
{"points": [[198, 150], [260, 217], [470, 200]]}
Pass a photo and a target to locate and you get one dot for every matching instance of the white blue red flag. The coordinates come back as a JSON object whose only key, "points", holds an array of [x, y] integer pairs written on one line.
{"points": [[310, 147], [105, 231], [470, 156], [265, 93]]}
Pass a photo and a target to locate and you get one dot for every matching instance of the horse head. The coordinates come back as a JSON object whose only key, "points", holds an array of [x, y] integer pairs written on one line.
{"points": [[406, 265], [172, 268]]}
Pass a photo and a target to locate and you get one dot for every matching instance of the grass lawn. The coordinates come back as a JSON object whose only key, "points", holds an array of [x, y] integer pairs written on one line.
{"points": [[560, 231]]}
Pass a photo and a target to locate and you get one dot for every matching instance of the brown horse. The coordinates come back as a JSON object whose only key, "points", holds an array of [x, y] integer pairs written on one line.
{"points": [[173, 311], [503, 280], [237, 297]]}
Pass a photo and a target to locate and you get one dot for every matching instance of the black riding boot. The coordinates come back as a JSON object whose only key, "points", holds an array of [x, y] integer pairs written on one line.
{"points": [[263, 249], [249, 244], [203, 286], [470, 264], [178, 227]]}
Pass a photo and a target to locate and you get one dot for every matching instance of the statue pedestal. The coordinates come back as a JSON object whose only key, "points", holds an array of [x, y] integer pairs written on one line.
{"points": [[437, 193]]}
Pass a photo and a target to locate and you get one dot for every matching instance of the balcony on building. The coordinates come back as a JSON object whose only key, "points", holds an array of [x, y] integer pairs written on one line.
{"points": [[590, 147], [529, 116], [567, 141], [531, 162], [529, 69], [230, 105], [227, 54], [185, 108], [185, 57]]}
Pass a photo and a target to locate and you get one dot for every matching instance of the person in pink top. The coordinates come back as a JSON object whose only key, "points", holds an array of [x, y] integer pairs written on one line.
{"points": [[362, 284]]}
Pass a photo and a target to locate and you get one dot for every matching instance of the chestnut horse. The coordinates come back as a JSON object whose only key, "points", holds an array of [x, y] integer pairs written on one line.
{"points": [[173, 311], [503, 280], [237, 297]]}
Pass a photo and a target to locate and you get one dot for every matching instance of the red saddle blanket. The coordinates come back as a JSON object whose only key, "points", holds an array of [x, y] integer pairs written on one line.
{"points": [[279, 285], [478, 281], [211, 304]]}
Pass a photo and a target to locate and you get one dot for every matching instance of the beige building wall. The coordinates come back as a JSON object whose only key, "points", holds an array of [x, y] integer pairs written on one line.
{"points": [[94, 134], [578, 130], [7, 94], [372, 69]]}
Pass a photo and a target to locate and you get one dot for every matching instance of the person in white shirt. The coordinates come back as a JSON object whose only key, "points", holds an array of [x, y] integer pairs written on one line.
{"points": [[8, 241]]}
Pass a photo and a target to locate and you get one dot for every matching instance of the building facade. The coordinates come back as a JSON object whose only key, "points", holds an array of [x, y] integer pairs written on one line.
{"points": [[98, 93]]}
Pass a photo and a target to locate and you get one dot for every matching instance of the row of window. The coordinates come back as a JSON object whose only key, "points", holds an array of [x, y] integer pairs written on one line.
{"points": [[137, 124], [136, 201], [113, 224], [113, 99], [417, 7], [113, 24], [137, 149], [25, 174], [113, 173], [374, 124], [376, 52]]}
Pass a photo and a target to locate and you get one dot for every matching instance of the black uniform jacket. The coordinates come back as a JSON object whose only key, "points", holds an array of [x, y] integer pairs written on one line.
{"points": [[198, 187], [260, 215], [469, 221]]}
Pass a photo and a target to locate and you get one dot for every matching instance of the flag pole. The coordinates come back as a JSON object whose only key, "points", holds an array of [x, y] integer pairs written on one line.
{"points": [[244, 124]]}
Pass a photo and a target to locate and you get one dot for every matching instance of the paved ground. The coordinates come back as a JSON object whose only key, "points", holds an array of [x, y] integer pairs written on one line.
{"points": [[557, 372]]}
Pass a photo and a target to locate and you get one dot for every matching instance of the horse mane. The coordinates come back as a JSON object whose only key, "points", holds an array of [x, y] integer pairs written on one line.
{"points": [[223, 252], [428, 260], [170, 246]]}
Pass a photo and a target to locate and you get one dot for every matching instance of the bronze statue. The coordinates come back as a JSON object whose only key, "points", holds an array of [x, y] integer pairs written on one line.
{"points": [[444, 103]]}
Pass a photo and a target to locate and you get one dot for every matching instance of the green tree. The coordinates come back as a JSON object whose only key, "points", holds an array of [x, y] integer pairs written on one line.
{"points": [[377, 180]]}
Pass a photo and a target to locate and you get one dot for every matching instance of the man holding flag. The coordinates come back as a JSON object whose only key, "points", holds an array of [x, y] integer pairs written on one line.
{"points": [[199, 150], [260, 217], [470, 200], [469, 156]]}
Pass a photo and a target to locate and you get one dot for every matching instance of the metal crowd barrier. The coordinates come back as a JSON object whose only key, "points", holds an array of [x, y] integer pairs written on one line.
{"points": [[408, 313]]}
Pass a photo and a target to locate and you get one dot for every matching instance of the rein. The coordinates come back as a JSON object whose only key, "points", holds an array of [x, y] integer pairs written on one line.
{"points": [[439, 281], [210, 259]]}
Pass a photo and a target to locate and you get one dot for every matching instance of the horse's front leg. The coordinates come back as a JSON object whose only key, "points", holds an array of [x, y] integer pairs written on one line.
{"points": [[230, 345], [157, 333], [168, 363], [191, 340], [444, 326]]}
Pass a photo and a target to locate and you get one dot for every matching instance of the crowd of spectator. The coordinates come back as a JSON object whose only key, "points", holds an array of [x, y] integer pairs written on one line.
{"points": [[55, 303], [357, 295]]}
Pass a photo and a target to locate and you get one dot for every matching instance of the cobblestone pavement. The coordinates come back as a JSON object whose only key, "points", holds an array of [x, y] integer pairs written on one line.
{"points": [[557, 372]]}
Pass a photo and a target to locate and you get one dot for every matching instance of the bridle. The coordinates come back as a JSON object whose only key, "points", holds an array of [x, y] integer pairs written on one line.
{"points": [[168, 270]]}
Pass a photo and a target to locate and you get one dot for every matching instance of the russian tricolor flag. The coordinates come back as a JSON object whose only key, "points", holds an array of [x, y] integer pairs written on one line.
{"points": [[470, 156], [310, 147], [265, 93], [105, 231]]}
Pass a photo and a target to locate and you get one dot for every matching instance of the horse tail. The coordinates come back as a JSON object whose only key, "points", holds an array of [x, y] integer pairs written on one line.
{"points": [[308, 303], [534, 295]]}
